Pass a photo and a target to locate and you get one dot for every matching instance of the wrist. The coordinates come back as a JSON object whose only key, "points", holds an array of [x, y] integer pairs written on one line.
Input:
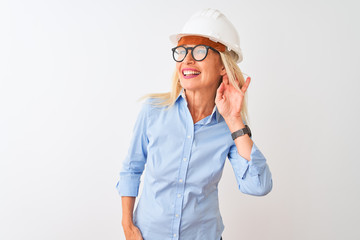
{"points": [[235, 124], [127, 223]]}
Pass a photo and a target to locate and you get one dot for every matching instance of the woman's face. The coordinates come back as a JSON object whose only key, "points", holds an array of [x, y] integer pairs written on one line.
{"points": [[202, 75]]}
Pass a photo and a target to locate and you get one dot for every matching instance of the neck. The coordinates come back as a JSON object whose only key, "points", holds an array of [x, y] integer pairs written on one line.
{"points": [[200, 104]]}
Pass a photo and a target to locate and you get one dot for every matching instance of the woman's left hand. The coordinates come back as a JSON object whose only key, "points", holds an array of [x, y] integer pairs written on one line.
{"points": [[229, 100]]}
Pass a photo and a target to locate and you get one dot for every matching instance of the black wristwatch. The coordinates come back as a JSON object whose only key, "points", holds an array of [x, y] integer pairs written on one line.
{"points": [[243, 131]]}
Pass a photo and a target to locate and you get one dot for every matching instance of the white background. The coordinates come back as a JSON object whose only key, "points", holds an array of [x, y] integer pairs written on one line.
{"points": [[70, 76]]}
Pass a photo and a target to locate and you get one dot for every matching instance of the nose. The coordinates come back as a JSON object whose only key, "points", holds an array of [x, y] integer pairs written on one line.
{"points": [[189, 58]]}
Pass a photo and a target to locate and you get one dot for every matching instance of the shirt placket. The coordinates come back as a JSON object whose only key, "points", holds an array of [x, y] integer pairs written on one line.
{"points": [[181, 180]]}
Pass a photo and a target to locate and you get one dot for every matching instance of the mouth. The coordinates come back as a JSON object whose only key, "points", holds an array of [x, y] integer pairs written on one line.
{"points": [[190, 73]]}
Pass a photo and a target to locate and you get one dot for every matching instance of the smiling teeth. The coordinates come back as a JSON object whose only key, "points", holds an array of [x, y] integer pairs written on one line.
{"points": [[187, 72]]}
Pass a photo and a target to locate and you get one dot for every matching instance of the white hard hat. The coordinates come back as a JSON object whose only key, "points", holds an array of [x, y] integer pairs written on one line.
{"points": [[211, 23]]}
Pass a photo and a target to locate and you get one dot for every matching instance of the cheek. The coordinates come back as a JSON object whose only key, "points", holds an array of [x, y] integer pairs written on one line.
{"points": [[213, 71], [212, 77], [178, 68], [213, 66]]}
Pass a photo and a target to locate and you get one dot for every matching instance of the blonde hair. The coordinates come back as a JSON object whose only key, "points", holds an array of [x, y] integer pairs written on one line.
{"points": [[233, 71]]}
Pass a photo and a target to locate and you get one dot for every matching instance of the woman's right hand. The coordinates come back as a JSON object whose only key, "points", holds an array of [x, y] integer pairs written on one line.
{"points": [[132, 233]]}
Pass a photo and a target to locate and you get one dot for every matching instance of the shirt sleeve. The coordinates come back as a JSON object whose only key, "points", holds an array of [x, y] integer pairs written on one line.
{"points": [[134, 163], [254, 176]]}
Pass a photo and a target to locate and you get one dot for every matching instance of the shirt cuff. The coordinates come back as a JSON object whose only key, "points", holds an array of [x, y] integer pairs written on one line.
{"points": [[257, 162], [256, 165], [128, 185]]}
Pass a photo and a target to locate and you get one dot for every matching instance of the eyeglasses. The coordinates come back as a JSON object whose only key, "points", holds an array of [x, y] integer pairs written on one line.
{"points": [[198, 52]]}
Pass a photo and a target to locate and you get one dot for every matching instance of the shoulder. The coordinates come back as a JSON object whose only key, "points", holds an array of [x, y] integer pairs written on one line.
{"points": [[152, 107]]}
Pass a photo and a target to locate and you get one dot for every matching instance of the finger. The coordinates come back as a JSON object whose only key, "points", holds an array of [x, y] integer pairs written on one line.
{"points": [[226, 79], [220, 92], [246, 85]]}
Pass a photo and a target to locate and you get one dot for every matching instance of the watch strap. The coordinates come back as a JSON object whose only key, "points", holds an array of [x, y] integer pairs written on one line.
{"points": [[241, 132]]}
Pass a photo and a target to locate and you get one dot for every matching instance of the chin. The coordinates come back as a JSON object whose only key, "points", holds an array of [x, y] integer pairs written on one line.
{"points": [[190, 86]]}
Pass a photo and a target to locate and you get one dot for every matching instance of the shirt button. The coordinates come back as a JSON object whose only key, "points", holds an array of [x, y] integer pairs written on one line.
{"points": [[184, 159], [177, 215], [174, 234], [179, 195], [180, 180], [188, 136]]}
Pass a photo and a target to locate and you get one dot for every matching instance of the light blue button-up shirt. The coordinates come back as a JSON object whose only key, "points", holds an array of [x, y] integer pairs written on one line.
{"points": [[184, 163]]}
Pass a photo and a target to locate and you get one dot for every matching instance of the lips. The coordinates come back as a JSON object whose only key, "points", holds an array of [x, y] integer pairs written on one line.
{"points": [[190, 73]]}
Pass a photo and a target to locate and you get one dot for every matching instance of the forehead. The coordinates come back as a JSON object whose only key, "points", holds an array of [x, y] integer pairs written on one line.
{"points": [[189, 45]]}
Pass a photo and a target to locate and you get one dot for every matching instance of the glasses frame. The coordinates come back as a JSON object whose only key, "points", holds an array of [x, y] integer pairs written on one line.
{"points": [[192, 53]]}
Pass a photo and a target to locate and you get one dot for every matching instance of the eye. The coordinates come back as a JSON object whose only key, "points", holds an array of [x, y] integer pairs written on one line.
{"points": [[200, 51], [181, 52]]}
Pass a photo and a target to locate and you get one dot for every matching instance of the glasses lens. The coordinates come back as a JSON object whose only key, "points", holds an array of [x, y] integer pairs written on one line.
{"points": [[199, 52], [179, 54]]}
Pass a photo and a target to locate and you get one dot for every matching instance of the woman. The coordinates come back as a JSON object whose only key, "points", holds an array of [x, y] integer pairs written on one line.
{"points": [[185, 136]]}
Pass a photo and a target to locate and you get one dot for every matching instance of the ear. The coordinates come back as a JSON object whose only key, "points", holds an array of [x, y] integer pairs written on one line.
{"points": [[222, 71]]}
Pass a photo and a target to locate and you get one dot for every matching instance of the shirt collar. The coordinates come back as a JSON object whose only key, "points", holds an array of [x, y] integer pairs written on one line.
{"points": [[215, 115]]}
